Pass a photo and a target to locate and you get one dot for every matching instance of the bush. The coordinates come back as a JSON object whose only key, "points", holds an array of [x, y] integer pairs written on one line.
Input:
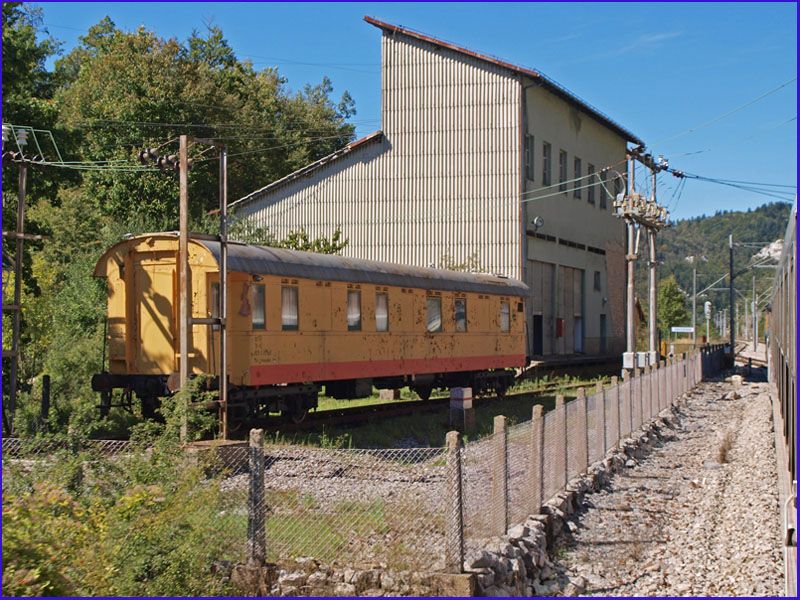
{"points": [[151, 523]]}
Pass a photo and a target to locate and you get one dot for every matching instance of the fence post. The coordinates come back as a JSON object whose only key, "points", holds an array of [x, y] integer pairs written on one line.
{"points": [[256, 505], [637, 392], [454, 538], [617, 403], [626, 377], [561, 411], [648, 385], [600, 419], [640, 379], [584, 423], [500, 476], [537, 458]]}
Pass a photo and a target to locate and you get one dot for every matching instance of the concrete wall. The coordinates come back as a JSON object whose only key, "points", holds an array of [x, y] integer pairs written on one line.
{"points": [[569, 221], [443, 186]]}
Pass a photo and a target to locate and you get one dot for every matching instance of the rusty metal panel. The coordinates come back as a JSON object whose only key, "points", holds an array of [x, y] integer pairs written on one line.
{"points": [[440, 186]]}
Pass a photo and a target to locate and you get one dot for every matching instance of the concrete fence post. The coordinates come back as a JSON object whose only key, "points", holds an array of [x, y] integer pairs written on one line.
{"points": [[500, 476], [256, 504], [454, 502], [667, 384], [537, 458], [583, 422], [649, 389], [626, 377], [599, 419], [618, 409], [561, 470], [639, 387]]}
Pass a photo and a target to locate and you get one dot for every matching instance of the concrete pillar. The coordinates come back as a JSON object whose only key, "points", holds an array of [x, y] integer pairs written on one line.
{"points": [[462, 413]]}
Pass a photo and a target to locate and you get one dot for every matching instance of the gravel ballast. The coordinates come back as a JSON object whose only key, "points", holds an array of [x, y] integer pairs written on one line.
{"points": [[698, 516]]}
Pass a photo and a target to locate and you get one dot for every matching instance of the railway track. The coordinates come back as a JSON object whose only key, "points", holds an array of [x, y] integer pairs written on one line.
{"points": [[362, 414]]}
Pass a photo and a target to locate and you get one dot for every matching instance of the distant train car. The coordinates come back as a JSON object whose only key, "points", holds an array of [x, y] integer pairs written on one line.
{"points": [[299, 322]]}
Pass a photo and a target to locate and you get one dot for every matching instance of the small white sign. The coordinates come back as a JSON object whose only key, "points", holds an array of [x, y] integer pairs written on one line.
{"points": [[682, 329]]}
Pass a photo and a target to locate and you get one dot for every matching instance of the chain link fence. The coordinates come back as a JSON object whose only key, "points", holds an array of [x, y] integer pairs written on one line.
{"points": [[404, 509]]}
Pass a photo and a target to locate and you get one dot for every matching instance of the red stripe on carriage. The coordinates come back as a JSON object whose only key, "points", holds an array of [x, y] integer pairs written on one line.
{"points": [[295, 373]]}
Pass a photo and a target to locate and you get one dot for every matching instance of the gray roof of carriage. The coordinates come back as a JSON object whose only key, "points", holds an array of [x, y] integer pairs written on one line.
{"points": [[262, 260]]}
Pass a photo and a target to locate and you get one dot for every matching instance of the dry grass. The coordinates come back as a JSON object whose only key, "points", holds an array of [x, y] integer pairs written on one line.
{"points": [[725, 445]]}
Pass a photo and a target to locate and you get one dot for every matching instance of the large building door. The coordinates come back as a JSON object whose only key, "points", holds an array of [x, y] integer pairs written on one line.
{"points": [[578, 335], [538, 335]]}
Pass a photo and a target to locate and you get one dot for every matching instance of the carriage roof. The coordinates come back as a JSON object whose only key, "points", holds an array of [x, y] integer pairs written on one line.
{"points": [[263, 260]]}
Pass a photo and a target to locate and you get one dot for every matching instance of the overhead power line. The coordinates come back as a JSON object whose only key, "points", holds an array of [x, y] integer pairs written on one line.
{"points": [[728, 113]]}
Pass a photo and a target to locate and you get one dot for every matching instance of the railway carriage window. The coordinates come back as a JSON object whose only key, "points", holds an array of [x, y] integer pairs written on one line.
{"points": [[353, 310], [434, 314], [259, 314], [381, 311], [505, 317], [214, 302], [461, 314], [289, 309]]}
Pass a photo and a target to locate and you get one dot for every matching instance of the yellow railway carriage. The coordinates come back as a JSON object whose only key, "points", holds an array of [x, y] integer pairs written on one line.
{"points": [[299, 321]]}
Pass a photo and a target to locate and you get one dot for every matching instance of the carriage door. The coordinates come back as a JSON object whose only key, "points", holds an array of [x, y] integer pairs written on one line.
{"points": [[155, 312]]}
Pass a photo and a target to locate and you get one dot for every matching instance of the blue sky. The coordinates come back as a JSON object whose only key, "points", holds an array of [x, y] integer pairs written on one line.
{"points": [[659, 69]]}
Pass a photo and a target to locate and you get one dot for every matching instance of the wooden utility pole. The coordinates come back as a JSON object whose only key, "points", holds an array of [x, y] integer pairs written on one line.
{"points": [[183, 271], [653, 299], [17, 306], [223, 290]]}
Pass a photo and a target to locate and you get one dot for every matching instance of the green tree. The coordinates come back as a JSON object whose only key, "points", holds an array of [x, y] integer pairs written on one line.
{"points": [[672, 310]]}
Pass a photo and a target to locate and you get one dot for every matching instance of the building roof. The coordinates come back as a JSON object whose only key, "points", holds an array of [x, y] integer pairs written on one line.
{"points": [[549, 84], [325, 160], [264, 260]]}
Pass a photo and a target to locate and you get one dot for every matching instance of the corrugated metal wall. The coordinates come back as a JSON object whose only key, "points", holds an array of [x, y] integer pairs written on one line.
{"points": [[443, 185]]}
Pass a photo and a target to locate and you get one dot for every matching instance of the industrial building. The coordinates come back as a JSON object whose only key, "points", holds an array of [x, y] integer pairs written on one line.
{"points": [[483, 163]]}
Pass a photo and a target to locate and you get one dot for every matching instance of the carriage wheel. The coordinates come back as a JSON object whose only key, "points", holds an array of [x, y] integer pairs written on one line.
{"points": [[424, 391]]}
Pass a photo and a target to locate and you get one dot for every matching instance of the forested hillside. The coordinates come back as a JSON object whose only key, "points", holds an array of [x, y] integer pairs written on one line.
{"points": [[114, 94], [702, 243]]}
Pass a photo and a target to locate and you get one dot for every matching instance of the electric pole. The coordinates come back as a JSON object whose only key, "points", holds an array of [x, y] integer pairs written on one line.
{"points": [[694, 307], [732, 331], [755, 317], [651, 217]]}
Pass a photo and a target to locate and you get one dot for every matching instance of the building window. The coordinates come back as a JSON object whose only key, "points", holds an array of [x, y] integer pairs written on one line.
{"points": [[590, 183], [597, 286], [562, 171], [434, 314], [259, 317], [505, 317], [353, 310], [547, 159], [529, 154], [381, 311], [576, 186], [603, 194], [461, 314], [290, 314]]}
